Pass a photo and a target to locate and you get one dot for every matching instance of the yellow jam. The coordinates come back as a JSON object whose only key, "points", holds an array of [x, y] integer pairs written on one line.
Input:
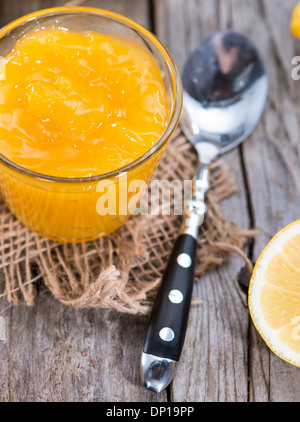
{"points": [[78, 104]]}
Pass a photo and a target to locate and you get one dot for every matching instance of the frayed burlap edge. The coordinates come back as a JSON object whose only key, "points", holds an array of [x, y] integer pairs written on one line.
{"points": [[122, 270]]}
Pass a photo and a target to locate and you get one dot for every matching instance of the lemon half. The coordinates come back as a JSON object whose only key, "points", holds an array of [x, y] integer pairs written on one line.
{"points": [[274, 294], [295, 21]]}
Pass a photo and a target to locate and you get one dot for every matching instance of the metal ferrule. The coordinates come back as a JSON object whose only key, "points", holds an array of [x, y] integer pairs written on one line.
{"points": [[195, 208]]}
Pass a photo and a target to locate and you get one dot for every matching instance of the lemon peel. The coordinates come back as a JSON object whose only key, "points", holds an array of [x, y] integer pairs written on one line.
{"points": [[295, 21]]}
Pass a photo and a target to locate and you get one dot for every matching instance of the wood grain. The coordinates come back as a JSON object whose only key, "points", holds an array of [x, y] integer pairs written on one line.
{"points": [[272, 165], [268, 178], [4, 353], [215, 351], [60, 354], [134, 9], [54, 353]]}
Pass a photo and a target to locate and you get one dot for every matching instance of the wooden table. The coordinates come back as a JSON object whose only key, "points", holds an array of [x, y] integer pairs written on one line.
{"points": [[54, 353]]}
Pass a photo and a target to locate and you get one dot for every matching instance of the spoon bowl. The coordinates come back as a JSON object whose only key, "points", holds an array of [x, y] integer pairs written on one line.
{"points": [[225, 89]]}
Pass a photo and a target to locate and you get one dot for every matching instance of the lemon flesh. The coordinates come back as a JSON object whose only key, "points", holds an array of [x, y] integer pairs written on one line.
{"points": [[274, 294]]}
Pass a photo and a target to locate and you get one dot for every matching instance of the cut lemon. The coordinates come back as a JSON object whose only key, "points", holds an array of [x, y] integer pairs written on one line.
{"points": [[274, 294], [295, 21]]}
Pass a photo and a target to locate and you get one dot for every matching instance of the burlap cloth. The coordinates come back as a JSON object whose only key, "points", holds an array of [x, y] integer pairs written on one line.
{"points": [[122, 270]]}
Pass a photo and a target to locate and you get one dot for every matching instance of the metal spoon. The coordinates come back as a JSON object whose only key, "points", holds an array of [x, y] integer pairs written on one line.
{"points": [[225, 90]]}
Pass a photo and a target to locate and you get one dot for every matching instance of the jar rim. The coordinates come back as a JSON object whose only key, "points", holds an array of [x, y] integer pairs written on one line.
{"points": [[177, 92]]}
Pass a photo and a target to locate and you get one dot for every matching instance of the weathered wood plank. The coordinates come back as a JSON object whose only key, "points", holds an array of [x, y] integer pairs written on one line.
{"points": [[5, 326], [54, 353], [214, 361], [134, 9], [271, 154], [61, 354], [272, 165]]}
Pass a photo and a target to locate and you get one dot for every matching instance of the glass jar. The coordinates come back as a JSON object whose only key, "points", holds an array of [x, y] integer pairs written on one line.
{"points": [[69, 209]]}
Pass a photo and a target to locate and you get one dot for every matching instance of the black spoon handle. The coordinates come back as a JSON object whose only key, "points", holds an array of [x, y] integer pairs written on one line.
{"points": [[168, 321], [167, 324]]}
